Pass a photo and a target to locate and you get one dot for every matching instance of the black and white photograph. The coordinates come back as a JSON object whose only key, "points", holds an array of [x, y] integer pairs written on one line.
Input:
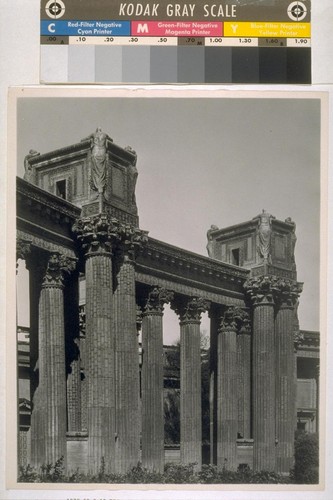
{"points": [[169, 291]]}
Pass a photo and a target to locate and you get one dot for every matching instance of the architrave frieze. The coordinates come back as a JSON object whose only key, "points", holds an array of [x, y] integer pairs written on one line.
{"points": [[270, 269], [44, 244], [43, 232], [92, 208], [215, 295]]}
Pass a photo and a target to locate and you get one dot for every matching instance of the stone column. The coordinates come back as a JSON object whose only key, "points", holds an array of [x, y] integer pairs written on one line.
{"points": [[244, 376], [227, 416], [317, 377], [126, 349], [260, 289], [51, 400], [286, 293], [72, 346], [214, 315], [190, 379], [152, 380], [97, 235], [83, 372], [298, 339], [23, 250], [36, 271]]}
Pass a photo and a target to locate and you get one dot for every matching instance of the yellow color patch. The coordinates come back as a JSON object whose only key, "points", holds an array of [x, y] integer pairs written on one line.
{"points": [[282, 30]]}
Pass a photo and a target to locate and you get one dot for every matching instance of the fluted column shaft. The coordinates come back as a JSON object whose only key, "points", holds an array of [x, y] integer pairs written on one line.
{"points": [[84, 383], [244, 382], [127, 369], [190, 393], [190, 380], [227, 415], [74, 397], [83, 368], [152, 392], [285, 388], [52, 371], [263, 387], [111, 344], [72, 347], [152, 380], [286, 298], [51, 398], [100, 345], [260, 290], [214, 325], [35, 282]]}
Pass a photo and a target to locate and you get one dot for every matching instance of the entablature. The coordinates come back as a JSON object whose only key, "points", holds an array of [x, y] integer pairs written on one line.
{"points": [[37, 199], [45, 220], [190, 274]]}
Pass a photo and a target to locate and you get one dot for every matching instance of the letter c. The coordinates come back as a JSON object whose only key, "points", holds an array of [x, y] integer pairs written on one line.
{"points": [[51, 28]]}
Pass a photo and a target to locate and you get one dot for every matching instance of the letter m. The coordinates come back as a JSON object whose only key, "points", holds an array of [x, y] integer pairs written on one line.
{"points": [[142, 28]]}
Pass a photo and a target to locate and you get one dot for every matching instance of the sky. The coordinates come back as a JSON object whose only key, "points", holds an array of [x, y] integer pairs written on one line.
{"points": [[202, 161]]}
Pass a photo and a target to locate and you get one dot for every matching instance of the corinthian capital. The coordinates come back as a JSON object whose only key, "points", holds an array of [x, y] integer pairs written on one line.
{"points": [[130, 240], [23, 248], [156, 299], [97, 233], [261, 289], [237, 319], [287, 292], [191, 309], [58, 266]]}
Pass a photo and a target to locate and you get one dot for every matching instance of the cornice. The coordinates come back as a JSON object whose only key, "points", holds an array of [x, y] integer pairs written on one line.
{"points": [[41, 159], [57, 155], [249, 226], [309, 339], [46, 203], [180, 258]]}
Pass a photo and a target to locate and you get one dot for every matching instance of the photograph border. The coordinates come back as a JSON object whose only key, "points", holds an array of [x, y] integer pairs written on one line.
{"points": [[11, 405]]}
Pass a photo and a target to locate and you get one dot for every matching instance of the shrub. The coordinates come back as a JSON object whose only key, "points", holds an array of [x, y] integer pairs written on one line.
{"points": [[209, 474], [53, 473], [27, 474], [306, 469], [179, 474], [173, 474]]}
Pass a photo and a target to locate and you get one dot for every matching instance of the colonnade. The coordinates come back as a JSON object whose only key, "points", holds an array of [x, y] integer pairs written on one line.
{"points": [[254, 343]]}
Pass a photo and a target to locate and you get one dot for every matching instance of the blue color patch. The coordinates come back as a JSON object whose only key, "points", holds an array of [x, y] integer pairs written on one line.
{"points": [[86, 28]]}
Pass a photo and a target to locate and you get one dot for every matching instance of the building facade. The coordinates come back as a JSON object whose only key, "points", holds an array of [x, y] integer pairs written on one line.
{"points": [[94, 396]]}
